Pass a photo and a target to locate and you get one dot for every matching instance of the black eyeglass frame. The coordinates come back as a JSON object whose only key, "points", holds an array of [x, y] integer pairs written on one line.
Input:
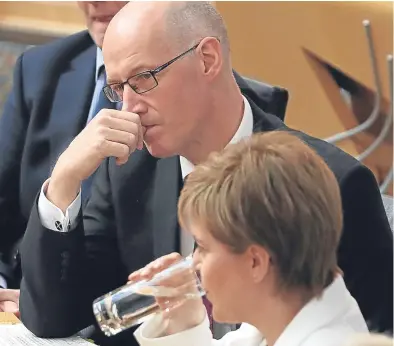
{"points": [[108, 90]]}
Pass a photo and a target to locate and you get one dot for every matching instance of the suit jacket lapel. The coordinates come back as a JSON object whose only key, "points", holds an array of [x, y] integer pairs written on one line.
{"points": [[263, 121], [165, 199], [77, 84]]}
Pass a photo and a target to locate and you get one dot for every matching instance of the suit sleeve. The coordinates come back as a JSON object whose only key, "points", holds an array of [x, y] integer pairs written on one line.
{"points": [[366, 250], [13, 127], [63, 272]]}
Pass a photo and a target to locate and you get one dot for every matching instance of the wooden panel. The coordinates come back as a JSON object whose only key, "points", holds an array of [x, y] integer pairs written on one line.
{"points": [[286, 43], [57, 18]]}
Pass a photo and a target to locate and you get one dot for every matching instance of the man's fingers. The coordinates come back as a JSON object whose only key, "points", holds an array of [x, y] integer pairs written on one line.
{"points": [[123, 121], [9, 295], [118, 150], [136, 119], [117, 136], [9, 306], [121, 124], [107, 114]]}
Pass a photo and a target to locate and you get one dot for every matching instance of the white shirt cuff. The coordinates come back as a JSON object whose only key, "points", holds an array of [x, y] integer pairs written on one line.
{"points": [[3, 282], [52, 217], [148, 334]]}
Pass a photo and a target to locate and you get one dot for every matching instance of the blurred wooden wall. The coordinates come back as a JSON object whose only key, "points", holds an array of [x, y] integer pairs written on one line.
{"points": [[39, 21], [289, 43]]}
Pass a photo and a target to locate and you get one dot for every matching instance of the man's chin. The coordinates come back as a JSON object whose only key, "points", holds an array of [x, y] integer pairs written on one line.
{"points": [[158, 151]]}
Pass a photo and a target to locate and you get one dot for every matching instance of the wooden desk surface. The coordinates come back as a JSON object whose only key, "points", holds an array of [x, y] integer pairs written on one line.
{"points": [[8, 318]]}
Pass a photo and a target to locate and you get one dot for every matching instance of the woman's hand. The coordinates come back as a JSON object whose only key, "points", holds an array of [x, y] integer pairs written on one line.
{"points": [[179, 311]]}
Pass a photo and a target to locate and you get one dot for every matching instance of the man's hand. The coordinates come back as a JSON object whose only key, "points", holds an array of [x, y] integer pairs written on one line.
{"points": [[179, 313], [9, 301], [110, 133]]}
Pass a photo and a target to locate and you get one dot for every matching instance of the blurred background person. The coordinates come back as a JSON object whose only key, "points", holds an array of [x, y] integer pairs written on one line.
{"points": [[57, 90]]}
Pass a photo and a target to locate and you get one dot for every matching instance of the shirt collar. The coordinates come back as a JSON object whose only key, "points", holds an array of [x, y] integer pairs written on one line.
{"points": [[245, 129], [99, 62], [328, 309]]}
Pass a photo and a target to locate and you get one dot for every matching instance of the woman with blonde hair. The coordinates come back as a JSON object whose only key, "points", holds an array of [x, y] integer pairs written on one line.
{"points": [[266, 217]]}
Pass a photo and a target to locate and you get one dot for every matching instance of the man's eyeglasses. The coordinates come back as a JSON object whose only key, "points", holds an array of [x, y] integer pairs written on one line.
{"points": [[141, 82]]}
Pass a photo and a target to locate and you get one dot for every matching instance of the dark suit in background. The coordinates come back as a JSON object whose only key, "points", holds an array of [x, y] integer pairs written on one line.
{"points": [[48, 106], [131, 219]]}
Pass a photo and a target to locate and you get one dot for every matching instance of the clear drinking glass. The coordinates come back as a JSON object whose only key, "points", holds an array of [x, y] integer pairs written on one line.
{"points": [[133, 303]]}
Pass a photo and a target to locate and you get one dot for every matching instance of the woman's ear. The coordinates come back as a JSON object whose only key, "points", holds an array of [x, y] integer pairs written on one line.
{"points": [[259, 260]]}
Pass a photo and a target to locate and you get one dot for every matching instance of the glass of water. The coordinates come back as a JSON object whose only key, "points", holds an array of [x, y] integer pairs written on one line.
{"points": [[133, 303]]}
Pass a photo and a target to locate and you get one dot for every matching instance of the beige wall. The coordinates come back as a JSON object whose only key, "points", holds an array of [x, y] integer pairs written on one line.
{"points": [[57, 18], [285, 43]]}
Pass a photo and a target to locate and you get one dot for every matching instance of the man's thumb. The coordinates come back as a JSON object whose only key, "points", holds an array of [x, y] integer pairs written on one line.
{"points": [[11, 295]]}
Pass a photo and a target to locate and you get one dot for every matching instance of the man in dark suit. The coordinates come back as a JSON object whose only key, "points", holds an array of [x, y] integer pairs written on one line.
{"points": [[170, 65], [55, 92]]}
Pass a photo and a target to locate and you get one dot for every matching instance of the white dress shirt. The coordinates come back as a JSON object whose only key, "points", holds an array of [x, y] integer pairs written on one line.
{"points": [[53, 218], [245, 130], [3, 282], [326, 321]]}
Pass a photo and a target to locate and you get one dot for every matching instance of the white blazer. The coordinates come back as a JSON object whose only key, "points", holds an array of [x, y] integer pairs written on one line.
{"points": [[326, 321]]}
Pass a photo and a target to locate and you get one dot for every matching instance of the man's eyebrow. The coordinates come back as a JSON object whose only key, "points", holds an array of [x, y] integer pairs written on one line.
{"points": [[112, 81], [136, 70]]}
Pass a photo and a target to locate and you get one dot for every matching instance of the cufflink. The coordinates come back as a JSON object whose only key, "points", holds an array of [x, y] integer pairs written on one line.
{"points": [[58, 225]]}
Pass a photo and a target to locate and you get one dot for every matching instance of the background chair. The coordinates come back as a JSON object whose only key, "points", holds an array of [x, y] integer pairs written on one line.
{"points": [[275, 97], [272, 99]]}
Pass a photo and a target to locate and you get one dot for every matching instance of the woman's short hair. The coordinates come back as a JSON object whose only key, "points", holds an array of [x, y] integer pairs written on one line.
{"points": [[273, 190]]}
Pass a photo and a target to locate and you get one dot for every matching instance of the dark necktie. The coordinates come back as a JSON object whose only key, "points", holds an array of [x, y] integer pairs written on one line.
{"points": [[208, 307], [102, 102]]}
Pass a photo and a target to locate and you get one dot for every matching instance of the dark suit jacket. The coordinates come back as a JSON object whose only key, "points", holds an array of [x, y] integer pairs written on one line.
{"points": [[47, 108], [131, 219]]}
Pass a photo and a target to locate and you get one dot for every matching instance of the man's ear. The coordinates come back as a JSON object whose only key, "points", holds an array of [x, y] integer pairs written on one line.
{"points": [[211, 56]]}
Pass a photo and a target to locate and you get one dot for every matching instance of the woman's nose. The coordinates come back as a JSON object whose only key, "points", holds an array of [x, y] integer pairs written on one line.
{"points": [[196, 260]]}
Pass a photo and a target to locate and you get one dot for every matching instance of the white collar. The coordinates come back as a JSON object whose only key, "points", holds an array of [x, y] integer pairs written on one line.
{"points": [[245, 129], [99, 61], [326, 310]]}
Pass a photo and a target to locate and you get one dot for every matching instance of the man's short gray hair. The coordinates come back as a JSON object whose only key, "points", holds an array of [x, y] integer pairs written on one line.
{"points": [[190, 21]]}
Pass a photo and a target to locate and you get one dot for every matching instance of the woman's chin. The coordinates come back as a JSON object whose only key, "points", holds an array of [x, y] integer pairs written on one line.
{"points": [[221, 316]]}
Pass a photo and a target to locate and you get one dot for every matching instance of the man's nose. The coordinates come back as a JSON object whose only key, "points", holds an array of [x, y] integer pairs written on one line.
{"points": [[130, 97], [132, 102]]}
